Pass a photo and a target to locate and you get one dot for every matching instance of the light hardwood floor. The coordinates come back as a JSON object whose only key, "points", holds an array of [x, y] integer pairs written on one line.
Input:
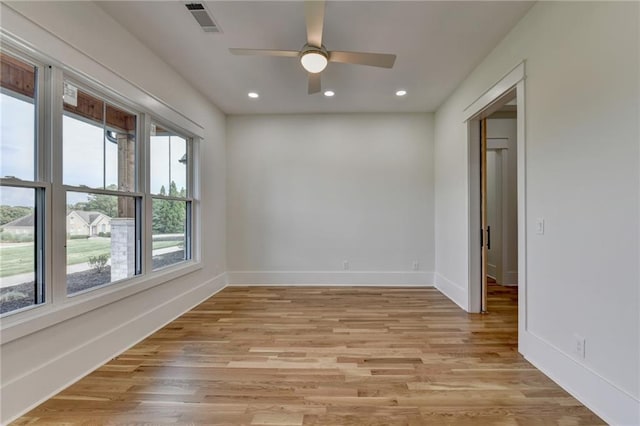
{"points": [[323, 356]]}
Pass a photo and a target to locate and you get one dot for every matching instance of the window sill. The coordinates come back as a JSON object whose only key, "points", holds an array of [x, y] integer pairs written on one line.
{"points": [[40, 317]]}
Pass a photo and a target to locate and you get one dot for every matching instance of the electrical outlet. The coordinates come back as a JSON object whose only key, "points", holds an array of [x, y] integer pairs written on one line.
{"points": [[579, 347], [416, 265], [345, 265]]}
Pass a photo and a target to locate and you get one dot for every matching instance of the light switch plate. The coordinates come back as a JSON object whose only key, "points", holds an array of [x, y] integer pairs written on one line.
{"points": [[540, 226]]}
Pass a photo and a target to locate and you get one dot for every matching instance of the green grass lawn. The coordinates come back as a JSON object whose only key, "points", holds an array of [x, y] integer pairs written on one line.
{"points": [[19, 259], [16, 260], [79, 251]]}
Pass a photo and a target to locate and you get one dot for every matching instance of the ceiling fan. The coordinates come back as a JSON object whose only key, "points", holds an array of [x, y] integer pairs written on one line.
{"points": [[314, 57]]}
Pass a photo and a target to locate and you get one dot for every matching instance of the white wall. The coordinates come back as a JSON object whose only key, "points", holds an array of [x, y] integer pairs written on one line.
{"points": [[582, 177], [307, 192], [506, 235], [494, 218], [41, 363]]}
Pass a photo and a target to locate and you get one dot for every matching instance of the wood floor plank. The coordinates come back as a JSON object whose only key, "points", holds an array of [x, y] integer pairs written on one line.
{"points": [[323, 356]]}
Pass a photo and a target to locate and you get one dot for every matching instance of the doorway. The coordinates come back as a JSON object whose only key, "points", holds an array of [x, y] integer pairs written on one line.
{"points": [[499, 174], [508, 90]]}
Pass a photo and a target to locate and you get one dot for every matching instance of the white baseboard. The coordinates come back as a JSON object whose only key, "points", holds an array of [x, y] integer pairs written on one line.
{"points": [[612, 404], [452, 290], [333, 278], [27, 391], [510, 278]]}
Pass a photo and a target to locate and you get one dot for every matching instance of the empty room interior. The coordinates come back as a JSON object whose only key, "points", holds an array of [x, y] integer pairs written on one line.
{"points": [[320, 212]]}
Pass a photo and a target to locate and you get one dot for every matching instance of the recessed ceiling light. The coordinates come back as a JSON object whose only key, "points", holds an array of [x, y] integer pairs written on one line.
{"points": [[401, 92], [329, 93], [253, 95]]}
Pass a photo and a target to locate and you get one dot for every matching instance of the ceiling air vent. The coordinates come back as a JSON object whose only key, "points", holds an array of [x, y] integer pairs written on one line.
{"points": [[203, 17]]}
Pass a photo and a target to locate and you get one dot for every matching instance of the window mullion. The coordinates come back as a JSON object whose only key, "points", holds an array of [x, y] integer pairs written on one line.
{"points": [[169, 168], [41, 148], [58, 215], [188, 231], [104, 145], [193, 191], [44, 152], [147, 223]]}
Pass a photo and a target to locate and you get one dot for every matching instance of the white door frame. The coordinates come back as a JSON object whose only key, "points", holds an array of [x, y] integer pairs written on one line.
{"points": [[513, 83]]}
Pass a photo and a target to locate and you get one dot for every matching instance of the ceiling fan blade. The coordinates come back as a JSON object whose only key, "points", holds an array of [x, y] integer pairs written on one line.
{"points": [[314, 83], [383, 60], [314, 16], [265, 52]]}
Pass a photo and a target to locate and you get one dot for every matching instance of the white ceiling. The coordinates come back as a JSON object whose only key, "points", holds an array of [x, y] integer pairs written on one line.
{"points": [[437, 44]]}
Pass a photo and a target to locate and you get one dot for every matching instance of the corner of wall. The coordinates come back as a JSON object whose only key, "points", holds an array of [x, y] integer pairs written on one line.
{"points": [[455, 292]]}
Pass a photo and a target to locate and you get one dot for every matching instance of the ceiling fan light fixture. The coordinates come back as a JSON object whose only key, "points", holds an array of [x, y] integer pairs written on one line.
{"points": [[314, 61], [313, 56]]}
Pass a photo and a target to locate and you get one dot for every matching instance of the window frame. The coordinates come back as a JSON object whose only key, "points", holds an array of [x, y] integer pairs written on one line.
{"points": [[107, 97], [39, 181], [57, 307], [189, 199]]}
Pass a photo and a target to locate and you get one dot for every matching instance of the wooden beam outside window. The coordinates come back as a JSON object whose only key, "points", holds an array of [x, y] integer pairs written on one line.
{"points": [[17, 76]]}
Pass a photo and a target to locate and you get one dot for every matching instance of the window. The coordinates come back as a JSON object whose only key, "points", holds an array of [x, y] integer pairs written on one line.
{"points": [[99, 152], [18, 106], [76, 172], [99, 143], [171, 202], [21, 191]]}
